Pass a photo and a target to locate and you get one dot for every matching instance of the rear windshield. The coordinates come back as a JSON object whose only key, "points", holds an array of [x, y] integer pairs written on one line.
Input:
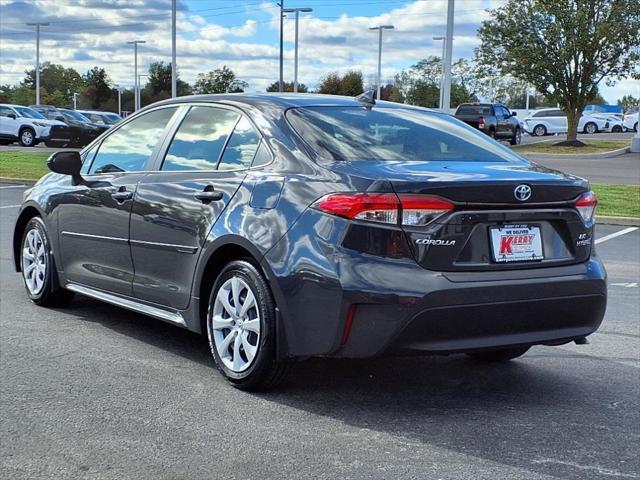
{"points": [[393, 134], [474, 110]]}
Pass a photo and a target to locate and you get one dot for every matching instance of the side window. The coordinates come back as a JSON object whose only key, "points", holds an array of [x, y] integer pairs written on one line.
{"points": [[200, 139], [5, 111], [130, 146], [242, 147], [539, 114], [87, 158]]}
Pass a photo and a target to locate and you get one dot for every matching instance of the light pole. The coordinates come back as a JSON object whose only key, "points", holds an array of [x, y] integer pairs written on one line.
{"points": [[174, 68], [446, 87], [135, 71], [75, 101], [38, 25], [119, 99], [444, 44], [295, 61], [380, 28], [281, 78], [139, 88]]}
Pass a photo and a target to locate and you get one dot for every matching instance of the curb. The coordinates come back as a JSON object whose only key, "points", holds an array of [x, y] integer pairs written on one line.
{"points": [[628, 221], [17, 181], [569, 156]]}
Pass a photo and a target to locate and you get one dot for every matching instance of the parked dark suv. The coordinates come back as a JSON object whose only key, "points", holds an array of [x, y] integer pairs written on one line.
{"points": [[494, 119], [289, 226]]}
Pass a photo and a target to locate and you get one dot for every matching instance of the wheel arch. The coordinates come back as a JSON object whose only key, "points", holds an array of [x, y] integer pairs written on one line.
{"points": [[25, 215]]}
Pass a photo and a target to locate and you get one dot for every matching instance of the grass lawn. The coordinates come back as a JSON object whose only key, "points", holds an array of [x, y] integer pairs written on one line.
{"points": [[592, 146], [23, 165], [617, 200]]}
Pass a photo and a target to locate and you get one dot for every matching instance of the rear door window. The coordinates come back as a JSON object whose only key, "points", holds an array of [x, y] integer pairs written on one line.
{"points": [[242, 147], [200, 139]]}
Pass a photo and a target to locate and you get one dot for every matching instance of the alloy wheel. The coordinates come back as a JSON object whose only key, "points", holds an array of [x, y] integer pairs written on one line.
{"points": [[235, 324], [26, 137], [34, 261], [540, 131], [591, 128]]}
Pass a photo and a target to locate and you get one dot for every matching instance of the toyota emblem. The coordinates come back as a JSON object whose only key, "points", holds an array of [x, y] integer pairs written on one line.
{"points": [[522, 192]]}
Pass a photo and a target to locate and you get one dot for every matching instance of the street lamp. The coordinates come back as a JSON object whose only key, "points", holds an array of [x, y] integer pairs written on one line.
{"points": [[281, 79], [38, 25], [295, 62], [139, 88], [135, 71], [446, 87], [174, 68], [444, 44], [75, 101], [380, 28], [119, 99]]}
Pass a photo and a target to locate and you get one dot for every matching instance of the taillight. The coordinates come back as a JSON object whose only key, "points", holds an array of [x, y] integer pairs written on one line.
{"points": [[586, 206], [403, 209], [481, 123]]}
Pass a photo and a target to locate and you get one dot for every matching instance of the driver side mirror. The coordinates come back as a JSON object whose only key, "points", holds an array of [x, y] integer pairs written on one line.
{"points": [[11, 115], [514, 114], [66, 163]]}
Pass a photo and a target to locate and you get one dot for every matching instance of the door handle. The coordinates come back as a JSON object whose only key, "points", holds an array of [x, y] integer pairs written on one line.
{"points": [[122, 195], [208, 195]]}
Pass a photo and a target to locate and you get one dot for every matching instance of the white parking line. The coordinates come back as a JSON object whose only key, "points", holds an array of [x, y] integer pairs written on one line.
{"points": [[616, 234], [10, 206], [12, 186]]}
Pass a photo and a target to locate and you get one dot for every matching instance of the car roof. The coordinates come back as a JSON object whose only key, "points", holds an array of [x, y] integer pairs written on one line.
{"points": [[282, 100]]}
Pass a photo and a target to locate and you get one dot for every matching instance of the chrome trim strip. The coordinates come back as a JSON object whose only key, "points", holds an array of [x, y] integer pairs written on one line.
{"points": [[169, 246], [94, 237], [159, 313]]}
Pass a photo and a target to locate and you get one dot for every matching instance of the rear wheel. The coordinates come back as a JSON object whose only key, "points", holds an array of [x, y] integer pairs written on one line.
{"points": [[517, 137], [38, 267], [27, 137], [241, 326], [616, 129], [590, 128], [540, 130], [500, 355]]}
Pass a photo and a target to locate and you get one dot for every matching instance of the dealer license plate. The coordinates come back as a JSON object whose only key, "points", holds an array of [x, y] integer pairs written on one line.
{"points": [[516, 243]]}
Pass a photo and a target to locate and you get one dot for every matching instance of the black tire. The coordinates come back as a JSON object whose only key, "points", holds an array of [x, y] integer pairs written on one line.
{"points": [[590, 126], [264, 371], [27, 137], [517, 137], [539, 131], [5, 142], [492, 133], [635, 127], [616, 129], [50, 294], [500, 355]]}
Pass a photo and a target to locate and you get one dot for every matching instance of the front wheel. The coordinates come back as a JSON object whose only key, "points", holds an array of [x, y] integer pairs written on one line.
{"points": [[27, 137], [38, 267], [500, 355], [590, 128], [616, 129], [517, 137], [540, 131], [241, 326]]}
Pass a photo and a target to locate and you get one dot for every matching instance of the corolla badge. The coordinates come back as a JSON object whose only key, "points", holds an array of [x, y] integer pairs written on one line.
{"points": [[522, 192]]}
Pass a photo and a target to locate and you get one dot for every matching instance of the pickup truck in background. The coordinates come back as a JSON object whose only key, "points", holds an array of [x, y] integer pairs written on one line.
{"points": [[493, 119]]}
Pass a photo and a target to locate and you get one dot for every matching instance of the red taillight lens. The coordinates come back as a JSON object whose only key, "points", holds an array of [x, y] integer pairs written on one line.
{"points": [[481, 123], [586, 206], [390, 208]]}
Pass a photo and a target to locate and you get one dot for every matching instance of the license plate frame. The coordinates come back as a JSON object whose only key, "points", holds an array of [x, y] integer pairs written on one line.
{"points": [[521, 248]]}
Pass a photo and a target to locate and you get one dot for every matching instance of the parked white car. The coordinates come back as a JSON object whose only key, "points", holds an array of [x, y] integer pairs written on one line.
{"points": [[615, 121], [630, 120], [553, 120], [28, 127]]}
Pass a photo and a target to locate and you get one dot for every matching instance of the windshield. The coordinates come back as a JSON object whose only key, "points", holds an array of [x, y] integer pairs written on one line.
{"points": [[29, 113], [112, 118], [393, 134], [75, 116]]}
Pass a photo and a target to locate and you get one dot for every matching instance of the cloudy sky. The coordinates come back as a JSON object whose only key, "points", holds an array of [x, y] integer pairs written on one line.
{"points": [[242, 34]]}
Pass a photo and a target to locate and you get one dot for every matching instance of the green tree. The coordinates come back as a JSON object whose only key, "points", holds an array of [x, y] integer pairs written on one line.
{"points": [[98, 88], [330, 84], [55, 77], [563, 48], [627, 102], [220, 80], [288, 87], [158, 86], [349, 84]]}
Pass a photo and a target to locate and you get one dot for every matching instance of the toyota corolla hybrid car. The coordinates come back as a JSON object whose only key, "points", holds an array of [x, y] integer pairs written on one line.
{"points": [[290, 226]]}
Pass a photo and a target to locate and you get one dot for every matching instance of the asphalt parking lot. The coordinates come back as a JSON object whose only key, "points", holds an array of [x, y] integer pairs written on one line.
{"points": [[93, 391]]}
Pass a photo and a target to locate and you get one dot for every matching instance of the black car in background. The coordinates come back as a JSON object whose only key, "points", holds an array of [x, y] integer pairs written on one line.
{"points": [[289, 226], [101, 118], [85, 130], [494, 119]]}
